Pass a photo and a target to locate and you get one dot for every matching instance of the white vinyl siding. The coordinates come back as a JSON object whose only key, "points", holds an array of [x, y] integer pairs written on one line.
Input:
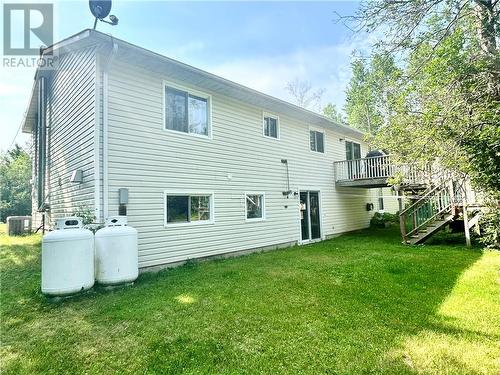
{"points": [[391, 202], [70, 118], [238, 159]]}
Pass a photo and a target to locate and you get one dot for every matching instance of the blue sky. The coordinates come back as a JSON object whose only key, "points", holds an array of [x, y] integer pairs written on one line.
{"points": [[263, 45]]}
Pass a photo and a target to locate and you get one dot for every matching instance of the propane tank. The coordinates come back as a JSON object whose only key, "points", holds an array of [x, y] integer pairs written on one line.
{"points": [[116, 252], [67, 258]]}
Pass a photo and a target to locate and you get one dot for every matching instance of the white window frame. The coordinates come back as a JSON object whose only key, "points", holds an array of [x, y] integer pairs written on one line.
{"points": [[263, 218], [167, 193], [352, 140], [194, 92], [321, 221], [319, 130], [277, 118], [380, 198]]}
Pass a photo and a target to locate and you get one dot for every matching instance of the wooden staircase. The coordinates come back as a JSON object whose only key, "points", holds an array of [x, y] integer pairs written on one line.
{"points": [[426, 233], [431, 212], [439, 196]]}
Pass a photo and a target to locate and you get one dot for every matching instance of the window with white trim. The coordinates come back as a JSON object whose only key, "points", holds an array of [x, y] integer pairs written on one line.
{"points": [[380, 199], [186, 111], [271, 126], [317, 141], [188, 208], [254, 206]]}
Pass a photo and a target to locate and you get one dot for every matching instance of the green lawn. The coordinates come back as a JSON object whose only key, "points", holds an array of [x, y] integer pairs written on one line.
{"points": [[360, 303]]}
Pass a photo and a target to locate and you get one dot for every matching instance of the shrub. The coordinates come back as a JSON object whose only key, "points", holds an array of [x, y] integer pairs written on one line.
{"points": [[490, 228], [383, 220]]}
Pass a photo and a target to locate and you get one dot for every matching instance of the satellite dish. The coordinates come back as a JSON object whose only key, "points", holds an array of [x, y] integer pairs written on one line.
{"points": [[100, 8]]}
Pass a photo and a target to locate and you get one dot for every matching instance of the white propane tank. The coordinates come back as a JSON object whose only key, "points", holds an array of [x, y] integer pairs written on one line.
{"points": [[67, 258], [116, 252]]}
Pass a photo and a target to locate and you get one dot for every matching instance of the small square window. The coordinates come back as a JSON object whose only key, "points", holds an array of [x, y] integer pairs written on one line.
{"points": [[317, 141], [271, 126], [254, 206]]}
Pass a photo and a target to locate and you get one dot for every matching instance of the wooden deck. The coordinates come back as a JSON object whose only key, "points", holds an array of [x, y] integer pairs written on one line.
{"points": [[376, 171]]}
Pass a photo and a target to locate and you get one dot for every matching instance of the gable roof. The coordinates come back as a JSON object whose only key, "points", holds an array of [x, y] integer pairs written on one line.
{"points": [[186, 73]]}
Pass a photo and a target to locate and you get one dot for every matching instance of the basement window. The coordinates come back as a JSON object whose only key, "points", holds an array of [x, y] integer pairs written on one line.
{"points": [[254, 206], [188, 208], [317, 141], [271, 126], [187, 111]]}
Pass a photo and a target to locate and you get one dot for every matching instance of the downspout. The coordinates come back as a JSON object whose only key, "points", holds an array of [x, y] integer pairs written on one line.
{"points": [[105, 68], [41, 144], [42, 150], [97, 149]]}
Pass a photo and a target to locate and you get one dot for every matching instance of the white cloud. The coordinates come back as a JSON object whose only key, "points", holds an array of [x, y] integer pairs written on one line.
{"points": [[325, 67], [10, 89], [15, 87], [183, 51]]}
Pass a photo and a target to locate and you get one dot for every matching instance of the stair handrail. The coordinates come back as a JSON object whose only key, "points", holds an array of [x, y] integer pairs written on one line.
{"points": [[422, 198], [430, 219], [415, 206]]}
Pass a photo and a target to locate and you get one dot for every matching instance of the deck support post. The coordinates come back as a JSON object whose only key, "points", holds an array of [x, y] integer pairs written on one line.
{"points": [[466, 221], [401, 217]]}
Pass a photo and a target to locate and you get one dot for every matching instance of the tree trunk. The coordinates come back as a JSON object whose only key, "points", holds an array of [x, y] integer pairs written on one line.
{"points": [[485, 18]]}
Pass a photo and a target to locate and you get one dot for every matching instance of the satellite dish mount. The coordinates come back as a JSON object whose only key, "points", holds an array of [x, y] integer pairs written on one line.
{"points": [[100, 9]]}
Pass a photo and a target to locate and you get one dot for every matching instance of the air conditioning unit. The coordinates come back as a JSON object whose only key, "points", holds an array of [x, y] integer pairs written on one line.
{"points": [[18, 225]]}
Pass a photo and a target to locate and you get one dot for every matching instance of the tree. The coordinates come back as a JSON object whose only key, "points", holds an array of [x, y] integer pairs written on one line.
{"points": [[304, 95], [405, 22], [370, 91], [446, 102], [331, 111], [15, 188]]}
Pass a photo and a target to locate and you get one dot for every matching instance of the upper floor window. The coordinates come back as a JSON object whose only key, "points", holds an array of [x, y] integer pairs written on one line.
{"points": [[186, 111], [271, 126], [317, 140]]}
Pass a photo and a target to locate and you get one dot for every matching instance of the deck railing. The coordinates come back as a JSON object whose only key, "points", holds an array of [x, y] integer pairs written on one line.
{"points": [[381, 167]]}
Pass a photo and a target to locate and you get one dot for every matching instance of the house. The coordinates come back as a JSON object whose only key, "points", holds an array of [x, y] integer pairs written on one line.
{"points": [[201, 165]]}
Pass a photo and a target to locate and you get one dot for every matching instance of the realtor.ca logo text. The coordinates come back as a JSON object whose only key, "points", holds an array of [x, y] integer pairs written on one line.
{"points": [[27, 28]]}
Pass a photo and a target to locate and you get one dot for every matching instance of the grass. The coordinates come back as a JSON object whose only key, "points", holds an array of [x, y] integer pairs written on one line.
{"points": [[360, 303]]}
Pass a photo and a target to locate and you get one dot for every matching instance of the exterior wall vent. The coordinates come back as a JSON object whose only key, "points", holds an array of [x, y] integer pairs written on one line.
{"points": [[76, 176]]}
